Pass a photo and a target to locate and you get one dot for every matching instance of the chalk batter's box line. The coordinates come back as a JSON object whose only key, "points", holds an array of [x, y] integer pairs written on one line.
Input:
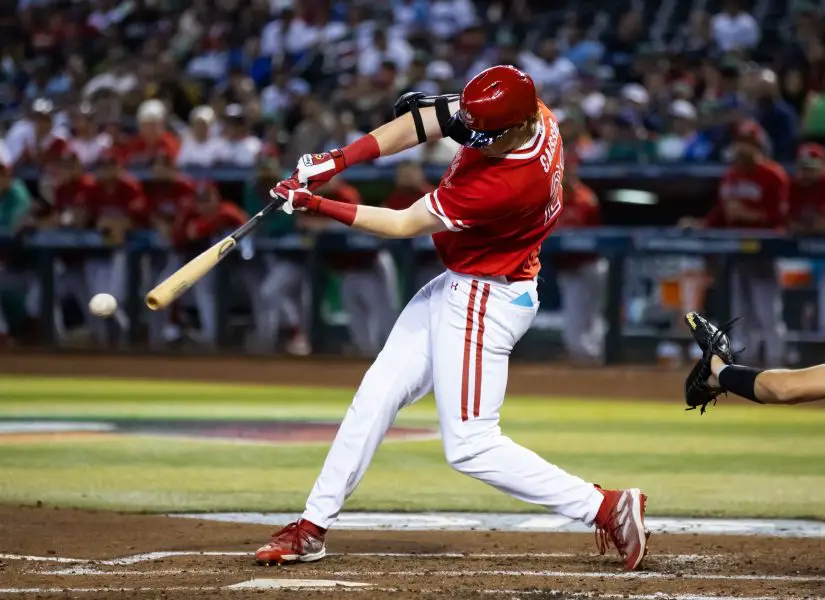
{"points": [[151, 556]]}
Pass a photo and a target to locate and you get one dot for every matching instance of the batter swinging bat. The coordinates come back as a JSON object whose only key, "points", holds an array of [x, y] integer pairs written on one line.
{"points": [[174, 286]]}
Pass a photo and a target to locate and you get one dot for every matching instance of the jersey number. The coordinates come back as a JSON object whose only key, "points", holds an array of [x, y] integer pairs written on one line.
{"points": [[553, 208]]}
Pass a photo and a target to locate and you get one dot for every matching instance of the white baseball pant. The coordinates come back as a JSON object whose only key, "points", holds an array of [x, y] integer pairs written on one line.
{"points": [[454, 338]]}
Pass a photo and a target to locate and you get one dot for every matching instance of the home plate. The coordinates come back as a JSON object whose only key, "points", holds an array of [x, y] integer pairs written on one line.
{"points": [[287, 584]]}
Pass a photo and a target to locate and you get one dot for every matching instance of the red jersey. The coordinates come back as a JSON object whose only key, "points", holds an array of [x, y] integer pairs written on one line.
{"points": [[581, 209], [807, 201], [72, 193], [44, 152], [139, 153], [227, 217], [498, 210], [169, 199], [120, 198], [762, 188]]}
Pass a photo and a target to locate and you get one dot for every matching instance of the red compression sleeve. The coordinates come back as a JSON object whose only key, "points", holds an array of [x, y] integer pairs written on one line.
{"points": [[363, 149], [339, 211]]}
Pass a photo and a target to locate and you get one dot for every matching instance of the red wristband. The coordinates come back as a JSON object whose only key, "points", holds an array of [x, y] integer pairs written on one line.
{"points": [[363, 149], [342, 212]]}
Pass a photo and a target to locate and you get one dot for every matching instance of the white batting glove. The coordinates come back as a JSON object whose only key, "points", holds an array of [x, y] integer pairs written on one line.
{"points": [[300, 200]]}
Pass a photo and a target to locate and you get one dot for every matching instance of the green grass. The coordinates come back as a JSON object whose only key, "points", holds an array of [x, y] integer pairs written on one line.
{"points": [[739, 460]]}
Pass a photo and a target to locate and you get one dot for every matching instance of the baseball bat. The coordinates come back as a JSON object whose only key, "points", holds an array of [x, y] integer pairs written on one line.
{"points": [[174, 286]]}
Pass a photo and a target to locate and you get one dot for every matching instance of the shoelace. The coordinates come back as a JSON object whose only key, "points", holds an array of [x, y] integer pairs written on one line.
{"points": [[606, 535], [290, 530]]}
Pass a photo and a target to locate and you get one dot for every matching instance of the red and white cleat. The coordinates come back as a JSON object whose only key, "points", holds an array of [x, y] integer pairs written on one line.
{"points": [[621, 521], [301, 541]]}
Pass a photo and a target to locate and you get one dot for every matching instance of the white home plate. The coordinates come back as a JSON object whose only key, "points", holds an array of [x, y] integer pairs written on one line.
{"points": [[293, 584]]}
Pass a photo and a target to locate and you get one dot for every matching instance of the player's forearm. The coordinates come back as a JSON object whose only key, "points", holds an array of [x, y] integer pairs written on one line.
{"points": [[382, 222], [773, 386]]}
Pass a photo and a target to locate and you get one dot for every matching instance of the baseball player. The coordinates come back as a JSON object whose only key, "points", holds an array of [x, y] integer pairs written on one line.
{"points": [[169, 194], [580, 279], [208, 217], [496, 203], [807, 204], [753, 194], [716, 373]]}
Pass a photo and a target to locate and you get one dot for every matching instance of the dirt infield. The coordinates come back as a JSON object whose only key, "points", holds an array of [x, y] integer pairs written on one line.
{"points": [[539, 379], [84, 554]]}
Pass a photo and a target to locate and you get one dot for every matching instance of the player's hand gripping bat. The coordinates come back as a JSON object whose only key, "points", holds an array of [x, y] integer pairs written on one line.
{"points": [[174, 286]]}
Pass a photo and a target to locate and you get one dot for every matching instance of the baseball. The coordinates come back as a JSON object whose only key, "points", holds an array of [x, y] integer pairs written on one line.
{"points": [[102, 305]]}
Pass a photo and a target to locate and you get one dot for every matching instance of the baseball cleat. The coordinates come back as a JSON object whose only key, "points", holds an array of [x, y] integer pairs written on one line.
{"points": [[621, 521], [301, 541]]}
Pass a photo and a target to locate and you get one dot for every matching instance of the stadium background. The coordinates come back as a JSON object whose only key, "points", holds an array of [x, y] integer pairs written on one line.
{"points": [[648, 94]]}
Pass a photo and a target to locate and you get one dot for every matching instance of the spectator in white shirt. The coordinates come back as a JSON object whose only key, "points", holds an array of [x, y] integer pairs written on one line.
{"points": [[734, 28], [448, 17], [671, 145], [278, 96], [396, 50], [210, 64], [237, 146], [117, 77], [87, 143], [5, 155], [551, 71], [198, 148]]}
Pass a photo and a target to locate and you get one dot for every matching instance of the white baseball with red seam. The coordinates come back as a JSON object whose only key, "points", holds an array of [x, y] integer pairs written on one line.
{"points": [[102, 305]]}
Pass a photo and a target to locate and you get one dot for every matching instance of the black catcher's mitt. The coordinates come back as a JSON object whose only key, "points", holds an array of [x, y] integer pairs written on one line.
{"points": [[713, 341], [698, 392]]}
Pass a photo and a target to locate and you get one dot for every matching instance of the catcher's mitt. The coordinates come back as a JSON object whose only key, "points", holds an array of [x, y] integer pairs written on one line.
{"points": [[698, 392], [713, 341]]}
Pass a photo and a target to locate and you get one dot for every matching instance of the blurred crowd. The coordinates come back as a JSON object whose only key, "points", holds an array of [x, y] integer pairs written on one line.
{"points": [[233, 77], [91, 89]]}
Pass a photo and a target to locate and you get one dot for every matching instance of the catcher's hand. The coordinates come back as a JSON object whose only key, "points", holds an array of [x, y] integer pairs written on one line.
{"points": [[713, 341]]}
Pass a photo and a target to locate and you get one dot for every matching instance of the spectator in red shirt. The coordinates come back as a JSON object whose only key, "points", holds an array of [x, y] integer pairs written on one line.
{"points": [[581, 279], [117, 202], [169, 193], [209, 217], [807, 195], [410, 185], [72, 191], [753, 194], [365, 283], [152, 138], [807, 205]]}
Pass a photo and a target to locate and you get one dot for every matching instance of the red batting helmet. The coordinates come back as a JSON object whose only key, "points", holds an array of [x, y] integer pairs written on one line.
{"points": [[492, 102]]}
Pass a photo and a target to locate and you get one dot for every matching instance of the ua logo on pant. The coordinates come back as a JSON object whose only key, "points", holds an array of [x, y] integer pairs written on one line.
{"points": [[454, 285]]}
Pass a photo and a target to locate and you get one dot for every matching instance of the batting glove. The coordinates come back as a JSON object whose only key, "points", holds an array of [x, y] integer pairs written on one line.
{"points": [[300, 200], [314, 170]]}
